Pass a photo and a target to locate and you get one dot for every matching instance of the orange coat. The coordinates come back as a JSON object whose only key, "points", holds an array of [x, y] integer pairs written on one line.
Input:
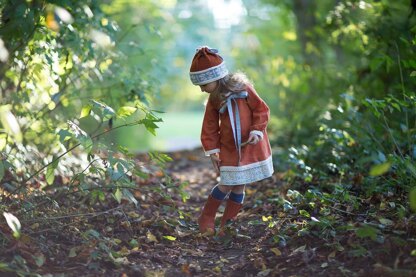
{"points": [[217, 137]]}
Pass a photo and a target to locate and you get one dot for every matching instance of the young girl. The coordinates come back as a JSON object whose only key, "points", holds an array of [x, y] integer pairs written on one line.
{"points": [[233, 135]]}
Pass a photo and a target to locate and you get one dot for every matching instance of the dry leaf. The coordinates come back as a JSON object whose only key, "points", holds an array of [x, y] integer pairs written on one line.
{"points": [[151, 237], [276, 251]]}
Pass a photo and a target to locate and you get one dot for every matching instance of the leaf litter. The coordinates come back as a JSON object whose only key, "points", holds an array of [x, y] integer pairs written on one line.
{"points": [[278, 233]]}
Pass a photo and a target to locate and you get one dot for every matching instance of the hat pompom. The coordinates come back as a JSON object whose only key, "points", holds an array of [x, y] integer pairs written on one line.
{"points": [[207, 66]]}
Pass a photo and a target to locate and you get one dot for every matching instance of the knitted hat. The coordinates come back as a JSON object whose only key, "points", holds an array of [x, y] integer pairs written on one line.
{"points": [[207, 66]]}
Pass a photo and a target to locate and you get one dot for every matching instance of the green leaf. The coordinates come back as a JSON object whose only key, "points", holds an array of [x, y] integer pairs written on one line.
{"points": [[358, 251], [50, 171], [133, 243], [149, 123], [92, 233], [4, 267], [304, 213], [3, 142], [169, 238], [2, 169], [412, 199], [126, 111], [118, 195], [413, 74], [367, 232], [64, 135], [39, 259], [411, 167], [10, 123], [101, 196], [107, 111], [380, 169], [86, 110], [130, 197], [80, 135]]}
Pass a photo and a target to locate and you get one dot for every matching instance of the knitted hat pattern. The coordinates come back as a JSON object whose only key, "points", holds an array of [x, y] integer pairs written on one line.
{"points": [[207, 66]]}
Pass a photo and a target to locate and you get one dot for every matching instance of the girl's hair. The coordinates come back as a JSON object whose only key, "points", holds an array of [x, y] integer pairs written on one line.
{"points": [[234, 82], [231, 83]]}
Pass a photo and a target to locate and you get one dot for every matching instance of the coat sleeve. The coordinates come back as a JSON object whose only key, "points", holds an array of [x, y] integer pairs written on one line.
{"points": [[260, 110], [210, 134]]}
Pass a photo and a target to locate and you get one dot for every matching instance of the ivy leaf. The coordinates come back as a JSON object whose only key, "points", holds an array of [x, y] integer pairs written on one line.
{"points": [[380, 169]]}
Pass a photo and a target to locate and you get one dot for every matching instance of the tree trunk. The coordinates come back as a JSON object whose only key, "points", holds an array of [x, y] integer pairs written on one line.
{"points": [[304, 11]]}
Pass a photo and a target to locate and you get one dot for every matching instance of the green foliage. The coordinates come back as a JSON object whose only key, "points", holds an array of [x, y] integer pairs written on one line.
{"points": [[69, 80], [340, 84]]}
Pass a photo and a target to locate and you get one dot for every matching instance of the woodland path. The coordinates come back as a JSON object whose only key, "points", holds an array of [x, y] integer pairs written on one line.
{"points": [[159, 236], [252, 247]]}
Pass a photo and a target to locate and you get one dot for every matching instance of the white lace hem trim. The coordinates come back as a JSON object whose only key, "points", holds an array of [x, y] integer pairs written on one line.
{"points": [[240, 175]]}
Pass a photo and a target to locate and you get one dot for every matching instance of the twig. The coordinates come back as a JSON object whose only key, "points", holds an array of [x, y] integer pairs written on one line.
{"points": [[345, 212], [94, 214]]}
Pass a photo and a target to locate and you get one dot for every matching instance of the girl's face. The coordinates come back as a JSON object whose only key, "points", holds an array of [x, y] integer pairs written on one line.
{"points": [[210, 87]]}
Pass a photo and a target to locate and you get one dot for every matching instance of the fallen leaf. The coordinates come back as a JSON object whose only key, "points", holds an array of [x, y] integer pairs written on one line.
{"points": [[276, 251], [217, 269], [151, 237], [39, 259], [72, 252], [265, 272], [385, 221], [133, 214], [185, 269], [331, 255], [299, 249]]}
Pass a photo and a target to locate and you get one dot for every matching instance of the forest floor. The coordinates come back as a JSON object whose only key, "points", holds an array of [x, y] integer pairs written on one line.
{"points": [[160, 236]]}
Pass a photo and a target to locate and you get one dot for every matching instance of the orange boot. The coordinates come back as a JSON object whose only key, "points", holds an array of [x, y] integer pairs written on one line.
{"points": [[230, 213], [206, 220]]}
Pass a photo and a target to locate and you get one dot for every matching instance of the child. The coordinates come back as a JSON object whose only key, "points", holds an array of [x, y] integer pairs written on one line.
{"points": [[233, 135]]}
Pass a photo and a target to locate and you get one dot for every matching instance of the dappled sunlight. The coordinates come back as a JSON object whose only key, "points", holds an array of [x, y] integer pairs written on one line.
{"points": [[102, 170]]}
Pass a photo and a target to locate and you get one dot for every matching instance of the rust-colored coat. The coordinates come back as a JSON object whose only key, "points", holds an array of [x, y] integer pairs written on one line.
{"points": [[217, 136]]}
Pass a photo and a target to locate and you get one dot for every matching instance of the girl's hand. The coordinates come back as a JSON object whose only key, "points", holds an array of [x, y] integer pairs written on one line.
{"points": [[215, 159], [253, 139]]}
